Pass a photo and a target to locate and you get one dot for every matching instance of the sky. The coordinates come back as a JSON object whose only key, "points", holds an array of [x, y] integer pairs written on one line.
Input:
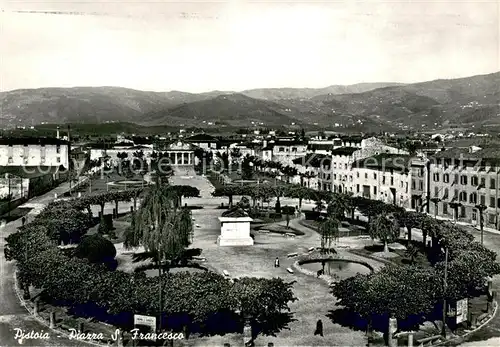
{"points": [[198, 46]]}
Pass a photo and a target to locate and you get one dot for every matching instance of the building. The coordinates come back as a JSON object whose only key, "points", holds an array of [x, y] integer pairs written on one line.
{"points": [[286, 149], [180, 153], [342, 175], [34, 152], [204, 141], [460, 181], [385, 177]]}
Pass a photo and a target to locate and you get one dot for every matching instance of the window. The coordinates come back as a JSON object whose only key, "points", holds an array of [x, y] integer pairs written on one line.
{"points": [[357, 188], [445, 208], [483, 182], [446, 178], [421, 185], [474, 181], [462, 212], [383, 179], [58, 159], [436, 177], [436, 191], [463, 196], [482, 200], [446, 192], [374, 176], [491, 218], [493, 183], [413, 184], [374, 190], [11, 160], [58, 149], [463, 180], [392, 181], [455, 181], [281, 149], [294, 149], [406, 187], [366, 176], [334, 176], [357, 174], [492, 202], [473, 198]]}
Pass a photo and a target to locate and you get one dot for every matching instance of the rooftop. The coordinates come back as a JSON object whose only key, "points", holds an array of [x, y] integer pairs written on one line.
{"points": [[42, 141], [385, 161], [202, 138], [344, 151]]}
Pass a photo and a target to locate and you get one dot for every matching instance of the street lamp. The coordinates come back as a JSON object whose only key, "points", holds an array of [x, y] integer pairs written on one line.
{"points": [[481, 208], [443, 332]]}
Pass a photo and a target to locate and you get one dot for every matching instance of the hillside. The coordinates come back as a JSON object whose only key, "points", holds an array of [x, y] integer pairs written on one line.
{"points": [[229, 109], [465, 102], [85, 104], [307, 93]]}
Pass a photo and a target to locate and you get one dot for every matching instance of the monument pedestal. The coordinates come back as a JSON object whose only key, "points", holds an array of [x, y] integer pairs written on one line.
{"points": [[235, 231]]}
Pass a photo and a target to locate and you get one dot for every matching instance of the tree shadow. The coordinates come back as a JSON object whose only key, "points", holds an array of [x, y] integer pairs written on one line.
{"points": [[346, 318]]}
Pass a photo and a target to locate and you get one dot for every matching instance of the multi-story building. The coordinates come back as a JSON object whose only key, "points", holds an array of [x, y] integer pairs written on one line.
{"points": [[462, 180], [342, 174], [285, 150], [34, 152], [385, 177]]}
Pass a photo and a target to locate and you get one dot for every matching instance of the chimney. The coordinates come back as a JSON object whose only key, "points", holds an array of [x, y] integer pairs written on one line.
{"points": [[69, 137], [57, 134]]}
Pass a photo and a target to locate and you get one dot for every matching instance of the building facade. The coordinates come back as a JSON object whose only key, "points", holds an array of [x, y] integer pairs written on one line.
{"points": [[34, 152], [460, 181]]}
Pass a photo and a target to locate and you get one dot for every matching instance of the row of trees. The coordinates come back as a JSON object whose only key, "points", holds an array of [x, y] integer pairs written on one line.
{"points": [[414, 294], [204, 302]]}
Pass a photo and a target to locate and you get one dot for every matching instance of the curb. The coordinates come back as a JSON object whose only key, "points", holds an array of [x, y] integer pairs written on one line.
{"points": [[460, 339], [43, 322]]}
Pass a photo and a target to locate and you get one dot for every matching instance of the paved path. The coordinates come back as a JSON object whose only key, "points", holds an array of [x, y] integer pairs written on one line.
{"points": [[12, 314]]}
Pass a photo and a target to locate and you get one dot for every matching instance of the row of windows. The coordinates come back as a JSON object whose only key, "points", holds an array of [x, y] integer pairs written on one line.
{"points": [[25, 160], [375, 189], [464, 179], [471, 198], [462, 213]]}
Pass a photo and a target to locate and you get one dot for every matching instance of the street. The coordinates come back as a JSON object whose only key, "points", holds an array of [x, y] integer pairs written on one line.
{"points": [[12, 314]]}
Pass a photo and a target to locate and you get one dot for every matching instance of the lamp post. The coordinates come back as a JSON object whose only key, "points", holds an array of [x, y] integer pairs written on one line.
{"points": [[443, 332], [7, 177], [481, 208]]}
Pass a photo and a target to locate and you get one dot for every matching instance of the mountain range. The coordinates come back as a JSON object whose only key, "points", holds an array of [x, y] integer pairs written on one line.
{"points": [[465, 102]]}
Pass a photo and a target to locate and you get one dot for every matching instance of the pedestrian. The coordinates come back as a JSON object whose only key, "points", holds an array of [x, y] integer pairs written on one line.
{"points": [[319, 328], [276, 262], [23, 220]]}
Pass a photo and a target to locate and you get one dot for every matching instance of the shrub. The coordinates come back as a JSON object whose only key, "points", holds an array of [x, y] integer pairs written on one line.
{"points": [[96, 249]]}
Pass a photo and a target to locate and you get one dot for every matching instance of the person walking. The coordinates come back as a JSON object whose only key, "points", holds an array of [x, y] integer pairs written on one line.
{"points": [[276, 262], [319, 328]]}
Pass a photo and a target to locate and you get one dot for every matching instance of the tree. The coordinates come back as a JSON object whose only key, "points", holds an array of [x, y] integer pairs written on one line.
{"points": [[228, 191], [247, 168], [262, 302], [329, 231], [288, 211], [410, 220], [160, 226], [385, 229], [412, 252], [386, 293], [185, 191], [96, 249]]}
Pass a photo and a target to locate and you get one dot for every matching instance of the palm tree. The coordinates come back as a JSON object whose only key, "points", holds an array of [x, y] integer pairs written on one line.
{"points": [[385, 229], [329, 231], [163, 229]]}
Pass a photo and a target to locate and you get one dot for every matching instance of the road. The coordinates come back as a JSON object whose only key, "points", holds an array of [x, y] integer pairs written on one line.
{"points": [[12, 314]]}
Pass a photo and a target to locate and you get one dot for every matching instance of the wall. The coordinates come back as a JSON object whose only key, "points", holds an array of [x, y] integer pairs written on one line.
{"points": [[235, 230], [34, 155]]}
